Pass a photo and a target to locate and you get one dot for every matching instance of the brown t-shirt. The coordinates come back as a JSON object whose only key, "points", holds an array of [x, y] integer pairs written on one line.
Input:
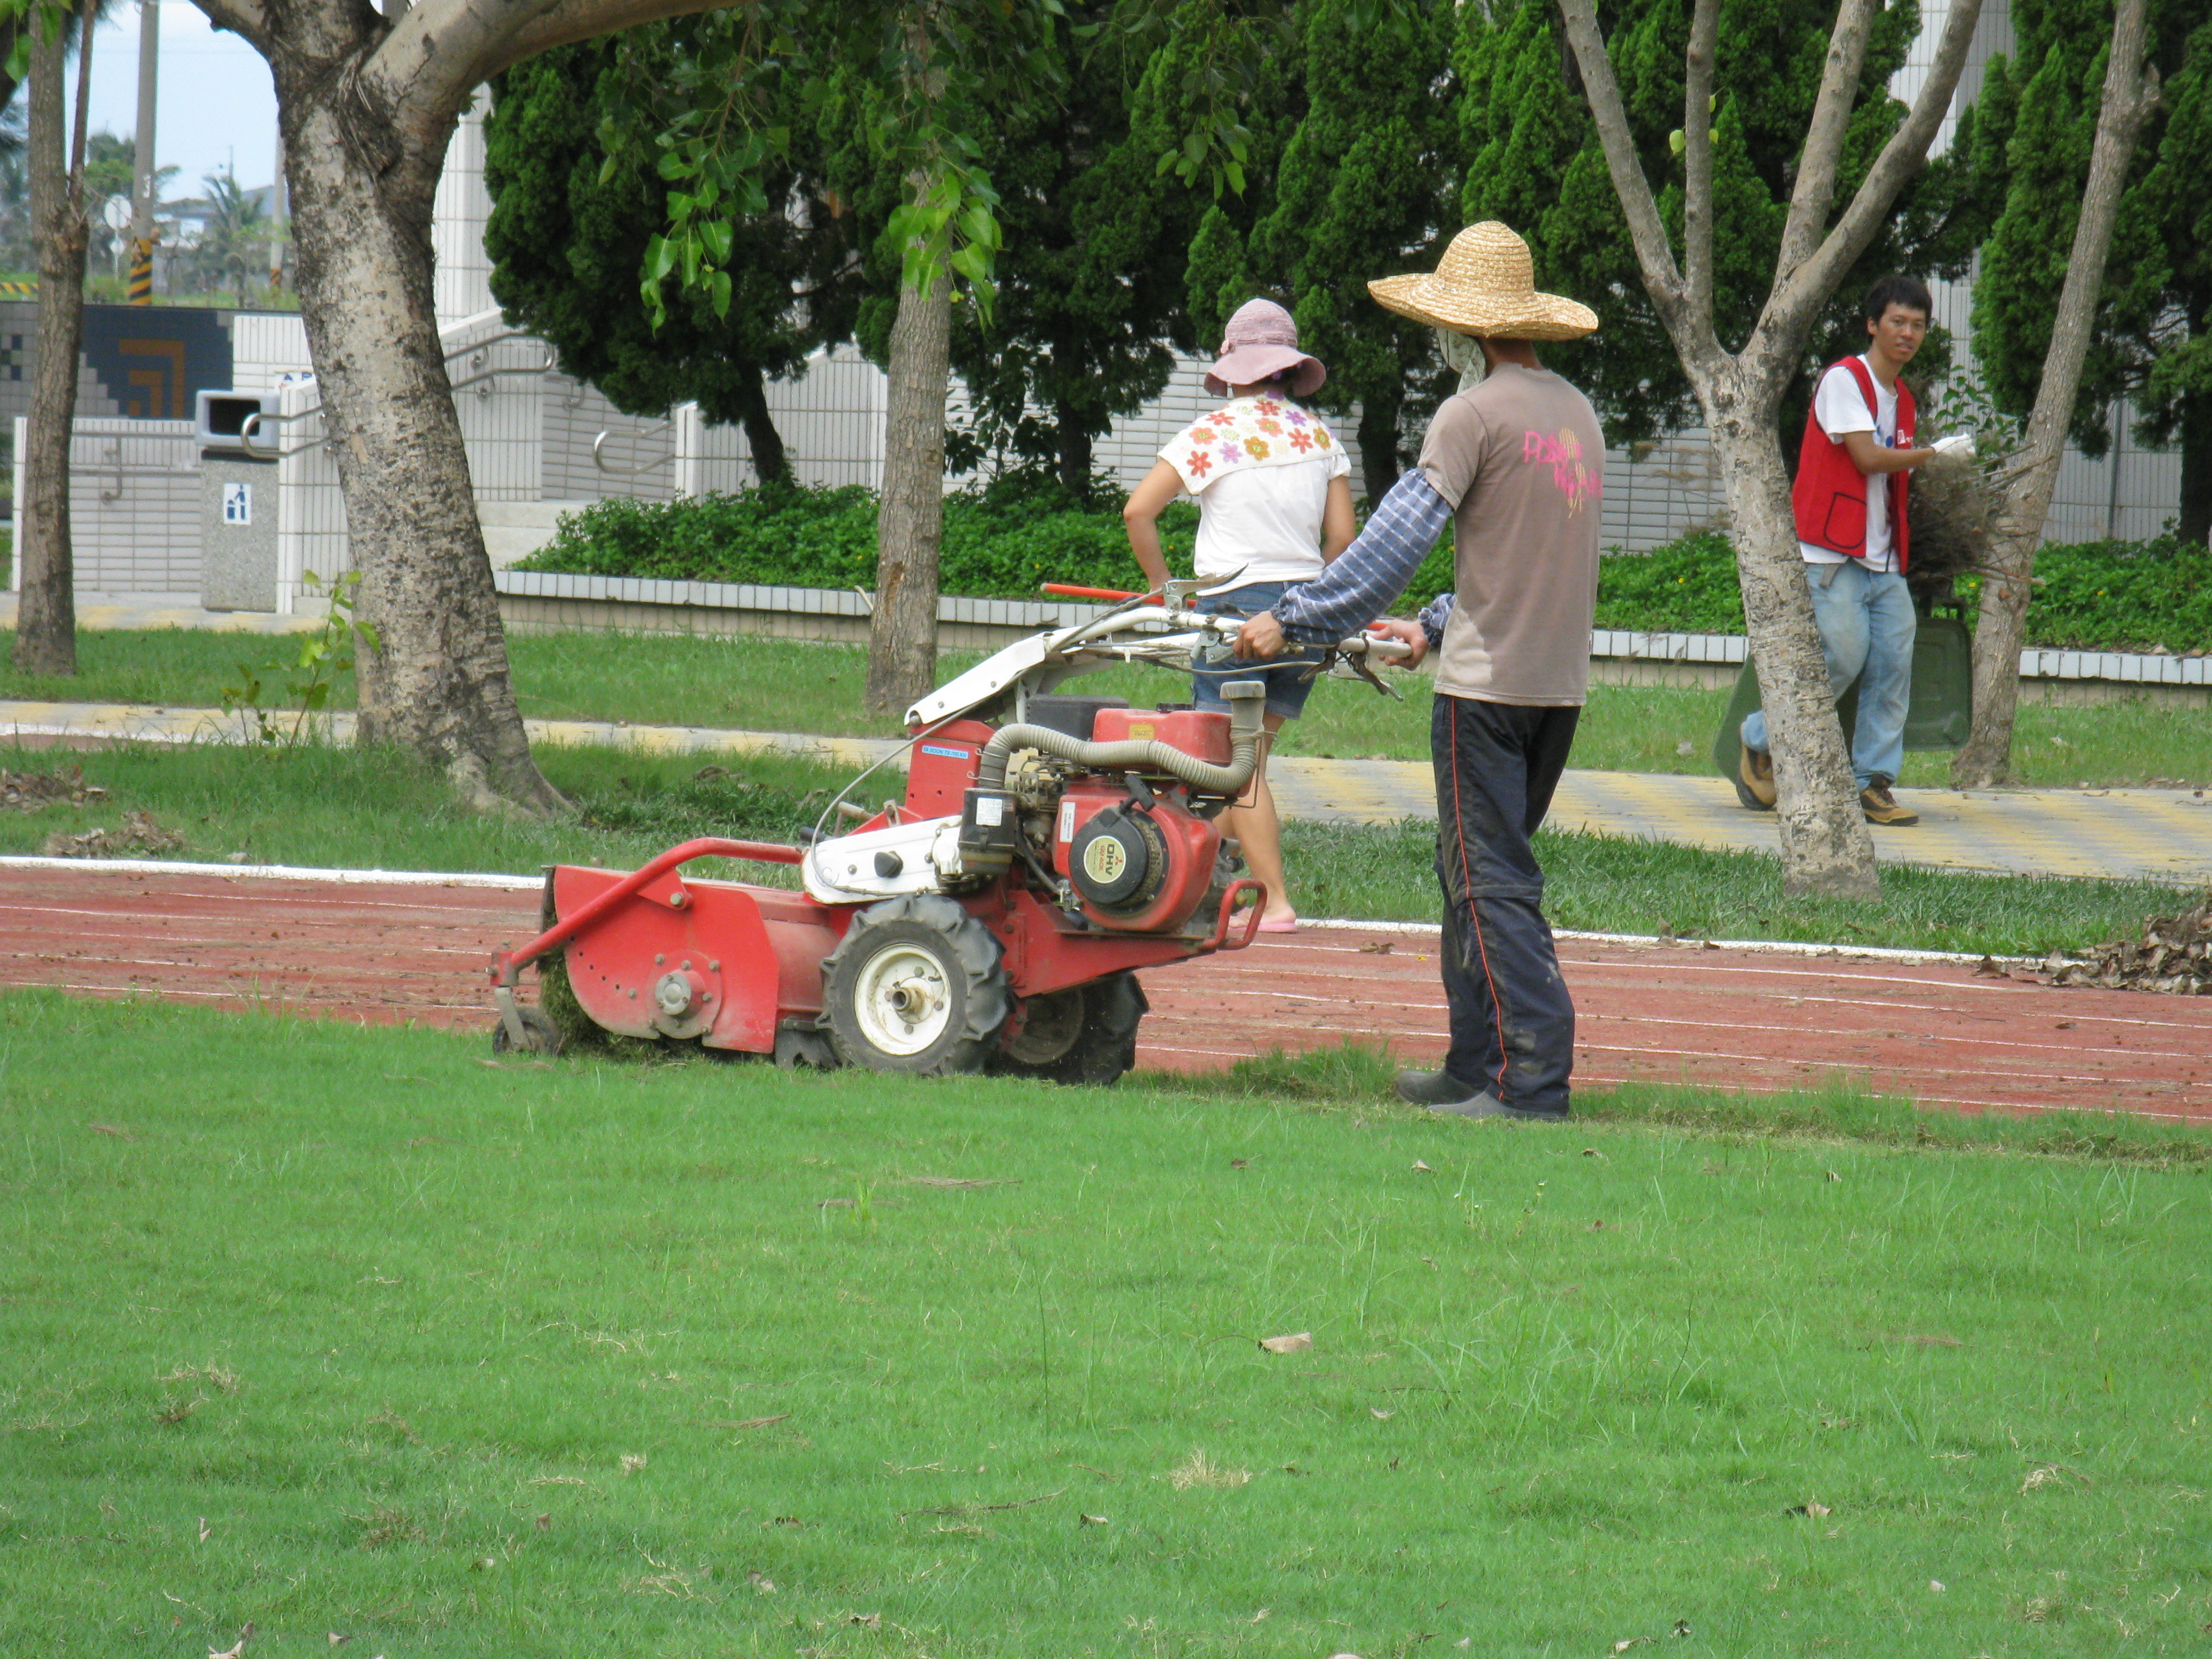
{"points": [[1521, 461]]}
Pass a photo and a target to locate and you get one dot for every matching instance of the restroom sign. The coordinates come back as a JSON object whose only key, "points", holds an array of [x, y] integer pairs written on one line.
{"points": [[237, 503]]}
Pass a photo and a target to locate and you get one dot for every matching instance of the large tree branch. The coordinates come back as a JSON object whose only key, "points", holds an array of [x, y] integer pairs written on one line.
{"points": [[442, 50], [247, 19], [1799, 293], [1698, 159], [1692, 335], [1815, 190]]}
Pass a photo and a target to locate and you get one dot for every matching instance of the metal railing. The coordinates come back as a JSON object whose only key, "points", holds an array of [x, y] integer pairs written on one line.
{"points": [[476, 351], [599, 458]]}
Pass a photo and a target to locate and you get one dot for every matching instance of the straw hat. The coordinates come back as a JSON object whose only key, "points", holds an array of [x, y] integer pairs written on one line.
{"points": [[1261, 340], [1486, 284]]}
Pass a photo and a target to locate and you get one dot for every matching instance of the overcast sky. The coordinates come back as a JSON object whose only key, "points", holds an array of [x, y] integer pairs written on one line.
{"points": [[217, 102]]}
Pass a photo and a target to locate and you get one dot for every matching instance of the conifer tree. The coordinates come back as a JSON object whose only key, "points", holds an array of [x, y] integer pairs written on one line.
{"points": [[2153, 343], [1364, 190]]}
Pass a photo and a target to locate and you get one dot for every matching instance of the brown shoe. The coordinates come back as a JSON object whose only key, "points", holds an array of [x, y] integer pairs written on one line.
{"points": [[1754, 778], [1880, 806]]}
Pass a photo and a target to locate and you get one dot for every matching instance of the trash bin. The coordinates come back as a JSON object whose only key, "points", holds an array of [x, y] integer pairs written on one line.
{"points": [[238, 501], [1942, 712]]}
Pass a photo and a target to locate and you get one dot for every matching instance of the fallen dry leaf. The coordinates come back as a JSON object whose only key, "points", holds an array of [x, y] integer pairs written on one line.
{"points": [[1633, 1642], [1377, 947], [632, 1463], [866, 1620], [756, 1422], [1420, 1168], [229, 1652], [204, 1529], [1936, 1585], [1592, 1151], [545, 1523], [1380, 1416], [110, 1129], [1298, 1343], [1084, 1520], [337, 1640]]}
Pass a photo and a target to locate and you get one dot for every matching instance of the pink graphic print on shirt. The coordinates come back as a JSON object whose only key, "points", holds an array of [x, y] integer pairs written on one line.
{"points": [[1564, 455]]}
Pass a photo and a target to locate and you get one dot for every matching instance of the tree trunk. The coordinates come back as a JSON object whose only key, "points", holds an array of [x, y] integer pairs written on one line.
{"points": [[1074, 457], [771, 465], [1986, 760], [910, 523], [1825, 846], [437, 684], [2196, 521], [45, 618], [1378, 448]]}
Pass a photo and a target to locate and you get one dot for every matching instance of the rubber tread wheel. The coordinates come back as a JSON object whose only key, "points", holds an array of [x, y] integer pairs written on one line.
{"points": [[1104, 1044], [540, 1036], [915, 986]]}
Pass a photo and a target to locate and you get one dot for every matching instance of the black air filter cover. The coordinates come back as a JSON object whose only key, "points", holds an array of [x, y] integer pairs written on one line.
{"points": [[1071, 716]]}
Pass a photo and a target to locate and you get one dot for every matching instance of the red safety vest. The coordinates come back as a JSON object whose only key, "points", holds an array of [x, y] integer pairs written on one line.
{"points": [[1830, 495]]}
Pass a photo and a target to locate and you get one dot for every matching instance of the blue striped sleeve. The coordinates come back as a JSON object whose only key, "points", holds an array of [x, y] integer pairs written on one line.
{"points": [[1364, 581]]}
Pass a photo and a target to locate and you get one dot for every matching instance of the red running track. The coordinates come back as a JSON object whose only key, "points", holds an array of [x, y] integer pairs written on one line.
{"points": [[1734, 1019]]}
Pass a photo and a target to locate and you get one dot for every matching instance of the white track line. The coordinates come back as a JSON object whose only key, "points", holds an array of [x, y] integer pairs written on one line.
{"points": [[442, 879]]}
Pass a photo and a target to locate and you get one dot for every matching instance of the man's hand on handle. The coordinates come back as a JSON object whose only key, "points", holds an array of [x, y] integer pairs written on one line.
{"points": [[1261, 637], [1408, 632]]}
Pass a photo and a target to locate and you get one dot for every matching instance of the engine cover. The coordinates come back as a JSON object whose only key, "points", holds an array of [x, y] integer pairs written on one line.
{"points": [[1138, 868]]}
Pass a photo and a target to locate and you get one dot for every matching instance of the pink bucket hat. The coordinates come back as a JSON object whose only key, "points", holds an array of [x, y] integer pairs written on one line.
{"points": [[1262, 340]]}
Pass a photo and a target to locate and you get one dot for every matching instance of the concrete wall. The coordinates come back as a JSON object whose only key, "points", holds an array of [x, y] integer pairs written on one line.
{"points": [[134, 506]]}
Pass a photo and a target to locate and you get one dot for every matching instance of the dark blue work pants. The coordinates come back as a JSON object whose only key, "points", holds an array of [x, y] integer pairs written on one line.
{"points": [[1512, 1023]]}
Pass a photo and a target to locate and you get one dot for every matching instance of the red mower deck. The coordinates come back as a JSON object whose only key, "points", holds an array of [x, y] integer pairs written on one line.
{"points": [[1733, 1019]]}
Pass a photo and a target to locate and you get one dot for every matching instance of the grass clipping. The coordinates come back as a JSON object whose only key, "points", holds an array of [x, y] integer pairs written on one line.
{"points": [[2173, 956], [1955, 506]]}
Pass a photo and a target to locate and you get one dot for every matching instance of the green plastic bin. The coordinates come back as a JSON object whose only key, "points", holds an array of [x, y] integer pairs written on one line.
{"points": [[1942, 712]]}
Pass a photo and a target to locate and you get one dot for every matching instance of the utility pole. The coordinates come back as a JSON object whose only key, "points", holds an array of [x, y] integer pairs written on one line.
{"points": [[142, 186]]}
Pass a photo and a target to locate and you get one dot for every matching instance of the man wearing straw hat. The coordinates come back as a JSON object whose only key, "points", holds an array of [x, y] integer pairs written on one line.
{"points": [[1515, 465]]}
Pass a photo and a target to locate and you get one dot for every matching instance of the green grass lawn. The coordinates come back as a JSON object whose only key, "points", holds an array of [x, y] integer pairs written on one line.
{"points": [[789, 686], [340, 1332], [364, 810]]}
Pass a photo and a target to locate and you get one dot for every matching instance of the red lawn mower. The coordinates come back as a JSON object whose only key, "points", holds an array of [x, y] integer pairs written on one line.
{"points": [[1047, 847]]}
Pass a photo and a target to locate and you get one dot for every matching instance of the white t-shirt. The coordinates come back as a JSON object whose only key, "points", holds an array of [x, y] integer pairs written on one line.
{"points": [[1839, 406], [1267, 519]]}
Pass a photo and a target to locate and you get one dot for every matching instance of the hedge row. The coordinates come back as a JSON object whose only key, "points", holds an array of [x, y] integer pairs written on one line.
{"points": [[1001, 541]]}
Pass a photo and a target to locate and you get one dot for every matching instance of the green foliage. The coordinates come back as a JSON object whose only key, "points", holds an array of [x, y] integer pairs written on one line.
{"points": [[577, 191], [999, 542], [2036, 121], [1089, 290], [326, 652], [1364, 190], [1535, 161]]}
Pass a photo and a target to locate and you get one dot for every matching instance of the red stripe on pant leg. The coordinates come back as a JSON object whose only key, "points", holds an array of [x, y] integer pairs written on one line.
{"points": [[1474, 919]]}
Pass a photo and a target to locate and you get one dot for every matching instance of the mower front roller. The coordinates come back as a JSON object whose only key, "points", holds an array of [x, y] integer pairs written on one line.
{"points": [[652, 955]]}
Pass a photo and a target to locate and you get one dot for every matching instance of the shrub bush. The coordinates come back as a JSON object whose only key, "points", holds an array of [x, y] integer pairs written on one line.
{"points": [[1003, 540]]}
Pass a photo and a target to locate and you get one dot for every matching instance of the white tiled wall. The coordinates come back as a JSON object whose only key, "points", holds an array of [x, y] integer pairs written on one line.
{"points": [[134, 506]]}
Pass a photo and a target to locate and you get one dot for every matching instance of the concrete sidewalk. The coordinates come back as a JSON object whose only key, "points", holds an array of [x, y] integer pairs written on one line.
{"points": [[2157, 834]]}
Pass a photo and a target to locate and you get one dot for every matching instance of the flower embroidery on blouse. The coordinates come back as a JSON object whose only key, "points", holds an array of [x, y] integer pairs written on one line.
{"points": [[1248, 432]]}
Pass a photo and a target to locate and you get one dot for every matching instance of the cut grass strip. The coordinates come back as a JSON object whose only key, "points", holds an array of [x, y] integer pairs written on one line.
{"points": [[1359, 1075], [357, 809], [785, 685], [339, 1331]]}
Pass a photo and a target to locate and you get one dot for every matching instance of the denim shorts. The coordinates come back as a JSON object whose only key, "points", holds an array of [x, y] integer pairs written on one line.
{"points": [[1290, 676]]}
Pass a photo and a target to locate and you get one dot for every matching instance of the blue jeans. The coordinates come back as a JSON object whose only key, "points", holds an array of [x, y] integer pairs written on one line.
{"points": [[1289, 678], [1867, 626]]}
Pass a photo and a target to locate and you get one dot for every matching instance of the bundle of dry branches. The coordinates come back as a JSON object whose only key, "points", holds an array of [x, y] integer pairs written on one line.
{"points": [[2174, 956], [1956, 508]]}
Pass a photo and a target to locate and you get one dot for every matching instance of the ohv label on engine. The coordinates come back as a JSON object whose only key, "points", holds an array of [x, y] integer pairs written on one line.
{"points": [[1067, 820], [1104, 859]]}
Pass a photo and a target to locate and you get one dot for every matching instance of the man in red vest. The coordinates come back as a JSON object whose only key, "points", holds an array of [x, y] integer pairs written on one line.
{"points": [[1850, 502]]}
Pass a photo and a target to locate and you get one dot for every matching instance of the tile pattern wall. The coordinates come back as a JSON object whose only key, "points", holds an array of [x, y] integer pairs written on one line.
{"points": [[134, 506]]}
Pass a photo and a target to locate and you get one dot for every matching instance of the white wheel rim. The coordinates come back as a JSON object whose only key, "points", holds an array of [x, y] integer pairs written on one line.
{"points": [[902, 999]]}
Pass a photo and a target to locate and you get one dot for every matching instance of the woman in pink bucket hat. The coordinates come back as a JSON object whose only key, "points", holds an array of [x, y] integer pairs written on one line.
{"points": [[1274, 505]]}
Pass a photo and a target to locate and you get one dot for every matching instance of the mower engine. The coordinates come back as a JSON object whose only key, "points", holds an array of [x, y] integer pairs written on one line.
{"points": [[1047, 847]]}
